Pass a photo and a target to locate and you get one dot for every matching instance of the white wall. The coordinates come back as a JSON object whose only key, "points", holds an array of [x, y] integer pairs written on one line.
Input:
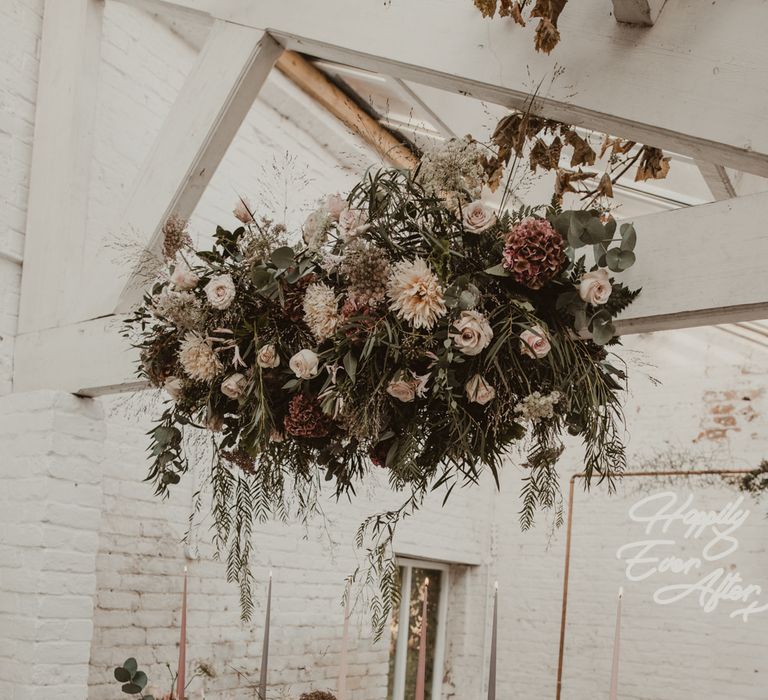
{"points": [[712, 402]]}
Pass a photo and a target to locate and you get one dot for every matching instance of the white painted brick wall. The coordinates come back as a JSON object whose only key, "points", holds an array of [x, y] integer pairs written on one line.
{"points": [[50, 515], [137, 557]]}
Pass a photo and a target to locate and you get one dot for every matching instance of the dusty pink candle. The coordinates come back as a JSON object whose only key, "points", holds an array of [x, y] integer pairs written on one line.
{"points": [[181, 676], [421, 668]]}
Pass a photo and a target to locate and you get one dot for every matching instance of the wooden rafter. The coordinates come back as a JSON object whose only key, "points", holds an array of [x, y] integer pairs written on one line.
{"points": [[316, 84], [57, 209], [676, 87], [202, 123]]}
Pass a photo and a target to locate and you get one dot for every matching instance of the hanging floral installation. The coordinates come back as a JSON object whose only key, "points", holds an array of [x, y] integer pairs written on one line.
{"points": [[416, 331]]}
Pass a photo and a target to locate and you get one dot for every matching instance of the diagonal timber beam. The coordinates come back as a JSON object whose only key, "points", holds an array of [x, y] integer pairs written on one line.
{"points": [[678, 87], [57, 210], [317, 85], [718, 180], [213, 102], [644, 12], [697, 266]]}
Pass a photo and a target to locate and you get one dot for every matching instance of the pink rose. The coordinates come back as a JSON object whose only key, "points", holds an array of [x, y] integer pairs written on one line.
{"points": [[334, 205], [478, 217], [479, 391], [402, 389], [535, 343], [183, 278], [595, 287], [220, 291], [267, 356], [234, 385], [473, 334], [243, 211]]}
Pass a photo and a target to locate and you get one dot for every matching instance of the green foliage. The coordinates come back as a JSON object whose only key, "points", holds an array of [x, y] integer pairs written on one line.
{"points": [[286, 437], [132, 679]]}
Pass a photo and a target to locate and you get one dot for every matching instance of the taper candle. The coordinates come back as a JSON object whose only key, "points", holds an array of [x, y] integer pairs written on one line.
{"points": [[421, 666], [614, 693], [494, 633], [265, 647], [341, 687], [181, 676]]}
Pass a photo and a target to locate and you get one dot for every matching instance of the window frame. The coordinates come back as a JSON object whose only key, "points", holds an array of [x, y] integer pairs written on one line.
{"points": [[401, 647]]}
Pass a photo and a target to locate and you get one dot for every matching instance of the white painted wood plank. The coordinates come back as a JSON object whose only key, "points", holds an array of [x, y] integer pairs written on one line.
{"points": [[215, 99], [680, 86], [57, 208], [717, 180], [643, 12], [697, 266]]}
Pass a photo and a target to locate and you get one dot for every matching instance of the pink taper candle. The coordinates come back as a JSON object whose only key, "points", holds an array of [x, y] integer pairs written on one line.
{"points": [[265, 647], [341, 687], [614, 693], [421, 667], [181, 676]]}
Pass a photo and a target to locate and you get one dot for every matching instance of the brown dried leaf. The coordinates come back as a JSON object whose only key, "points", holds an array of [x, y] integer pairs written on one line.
{"points": [[564, 180], [653, 165], [546, 157], [487, 7], [605, 186], [547, 34], [583, 153], [507, 8]]}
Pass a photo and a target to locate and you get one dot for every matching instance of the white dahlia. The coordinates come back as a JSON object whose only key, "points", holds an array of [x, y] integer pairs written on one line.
{"points": [[321, 310], [415, 293], [198, 358]]}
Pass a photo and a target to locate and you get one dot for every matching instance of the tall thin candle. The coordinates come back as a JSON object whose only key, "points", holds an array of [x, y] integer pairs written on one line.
{"points": [[341, 687], [181, 676], [421, 667], [494, 633], [614, 693], [265, 647]]}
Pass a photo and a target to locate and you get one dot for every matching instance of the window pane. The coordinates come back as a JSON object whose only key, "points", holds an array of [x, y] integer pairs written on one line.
{"points": [[418, 592]]}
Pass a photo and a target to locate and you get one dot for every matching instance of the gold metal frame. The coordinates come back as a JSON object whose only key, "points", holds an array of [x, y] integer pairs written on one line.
{"points": [[567, 566]]}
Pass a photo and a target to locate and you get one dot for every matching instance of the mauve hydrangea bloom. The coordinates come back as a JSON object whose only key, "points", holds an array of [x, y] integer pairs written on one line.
{"points": [[535, 253]]}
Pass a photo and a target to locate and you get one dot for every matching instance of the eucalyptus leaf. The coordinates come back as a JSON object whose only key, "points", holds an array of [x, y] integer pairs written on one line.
{"points": [[497, 270], [131, 688], [619, 260], [140, 679], [130, 665], [123, 675], [282, 257], [261, 277], [350, 365], [628, 237]]}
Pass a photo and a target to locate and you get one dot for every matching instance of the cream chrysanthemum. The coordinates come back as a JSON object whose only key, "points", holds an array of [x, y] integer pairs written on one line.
{"points": [[198, 358], [415, 293], [321, 310]]}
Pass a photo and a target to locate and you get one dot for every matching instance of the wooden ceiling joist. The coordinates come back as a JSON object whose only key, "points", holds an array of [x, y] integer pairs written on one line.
{"points": [[316, 84]]}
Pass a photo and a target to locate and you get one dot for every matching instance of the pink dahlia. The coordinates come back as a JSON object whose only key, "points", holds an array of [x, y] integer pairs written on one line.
{"points": [[534, 253]]}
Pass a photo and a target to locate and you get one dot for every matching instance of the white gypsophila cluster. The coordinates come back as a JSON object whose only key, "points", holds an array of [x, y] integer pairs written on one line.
{"points": [[321, 310], [451, 169], [182, 309], [537, 406]]}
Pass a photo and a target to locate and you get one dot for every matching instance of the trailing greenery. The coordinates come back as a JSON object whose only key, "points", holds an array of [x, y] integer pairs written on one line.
{"points": [[416, 331]]}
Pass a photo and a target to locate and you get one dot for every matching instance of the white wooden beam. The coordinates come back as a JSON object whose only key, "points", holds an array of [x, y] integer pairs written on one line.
{"points": [[57, 208], [213, 102], [698, 266], [700, 93], [643, 12], [718, 180]]}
